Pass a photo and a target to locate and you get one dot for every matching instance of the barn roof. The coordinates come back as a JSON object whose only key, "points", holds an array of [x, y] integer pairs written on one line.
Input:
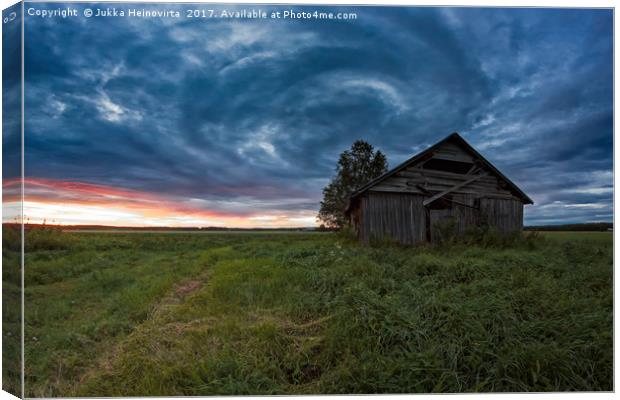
{"points": [[455, 138]]}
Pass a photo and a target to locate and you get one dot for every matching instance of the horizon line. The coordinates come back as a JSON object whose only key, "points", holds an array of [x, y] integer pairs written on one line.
{"points": [[150, 227]]}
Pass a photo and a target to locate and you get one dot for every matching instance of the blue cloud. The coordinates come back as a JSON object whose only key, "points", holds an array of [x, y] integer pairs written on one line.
{"points": [[257, 111]]}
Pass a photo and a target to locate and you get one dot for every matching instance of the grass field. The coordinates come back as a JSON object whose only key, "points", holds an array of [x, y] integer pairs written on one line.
{"points": [[278, 313]]}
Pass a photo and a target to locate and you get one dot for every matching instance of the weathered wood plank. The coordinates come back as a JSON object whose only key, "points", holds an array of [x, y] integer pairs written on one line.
{"points": [[438, 189], [504, 214], [417, 173], [452, 189], [411, 186], [396, 215]]}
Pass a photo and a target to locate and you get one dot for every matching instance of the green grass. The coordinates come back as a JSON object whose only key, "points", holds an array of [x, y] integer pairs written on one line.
{"points": [[276, 313], [11, 310], [591, 237]]}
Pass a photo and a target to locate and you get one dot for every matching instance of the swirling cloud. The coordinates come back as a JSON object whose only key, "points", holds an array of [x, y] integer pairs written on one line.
{"points": [[248, 117]]}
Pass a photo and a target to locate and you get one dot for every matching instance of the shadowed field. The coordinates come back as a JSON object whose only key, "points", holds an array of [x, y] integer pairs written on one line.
{"points": [[277, 313]]}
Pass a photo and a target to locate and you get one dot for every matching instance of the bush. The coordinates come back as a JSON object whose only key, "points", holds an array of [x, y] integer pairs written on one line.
{"points": [[446, 231], [493, 238], [347, 234], [484, 235], [45, 238]]}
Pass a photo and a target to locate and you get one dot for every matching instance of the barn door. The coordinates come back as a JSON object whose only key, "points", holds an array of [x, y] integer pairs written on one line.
{"points": [[439, 221]]}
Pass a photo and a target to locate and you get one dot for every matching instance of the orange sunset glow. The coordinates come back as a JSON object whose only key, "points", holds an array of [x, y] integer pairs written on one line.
{"points": [[75, 203]]}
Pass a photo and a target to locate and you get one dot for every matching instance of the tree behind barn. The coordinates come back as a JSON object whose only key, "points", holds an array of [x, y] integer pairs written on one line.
{"points": [[356, 167]]}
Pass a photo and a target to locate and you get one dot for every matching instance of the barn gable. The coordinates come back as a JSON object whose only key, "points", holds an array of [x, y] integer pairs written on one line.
{"points": [[450, 181], [441, 167]]}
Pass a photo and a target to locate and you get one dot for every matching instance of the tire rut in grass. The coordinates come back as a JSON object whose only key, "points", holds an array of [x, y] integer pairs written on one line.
{"points": [[159, 312]]}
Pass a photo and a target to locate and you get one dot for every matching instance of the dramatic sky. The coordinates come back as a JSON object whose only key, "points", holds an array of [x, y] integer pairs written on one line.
{"points": [[202, 122]]}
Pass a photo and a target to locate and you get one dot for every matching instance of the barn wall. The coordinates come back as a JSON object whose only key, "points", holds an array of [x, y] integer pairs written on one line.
{"points": [[355, 216], [400, 216], [505, 215]]}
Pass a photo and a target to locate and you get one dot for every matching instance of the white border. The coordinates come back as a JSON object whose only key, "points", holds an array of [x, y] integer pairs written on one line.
{"points": [[480, 3]]}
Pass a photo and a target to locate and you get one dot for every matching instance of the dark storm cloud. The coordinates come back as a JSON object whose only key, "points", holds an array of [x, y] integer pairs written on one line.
{"points": [[256, 112]]}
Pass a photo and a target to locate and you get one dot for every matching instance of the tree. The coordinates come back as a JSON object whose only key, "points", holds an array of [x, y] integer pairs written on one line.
{"points": [[355, 168]]}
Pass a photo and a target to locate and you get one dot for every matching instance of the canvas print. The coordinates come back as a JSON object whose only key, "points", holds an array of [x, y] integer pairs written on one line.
{"points": [[254, 199]]}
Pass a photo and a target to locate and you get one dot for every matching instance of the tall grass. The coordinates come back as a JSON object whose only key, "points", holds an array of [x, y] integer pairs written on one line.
{"points": [[11, 308], [204, 314]]}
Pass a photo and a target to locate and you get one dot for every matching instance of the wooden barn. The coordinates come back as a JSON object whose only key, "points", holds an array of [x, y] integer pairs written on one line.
{"points": [[449, 185]]}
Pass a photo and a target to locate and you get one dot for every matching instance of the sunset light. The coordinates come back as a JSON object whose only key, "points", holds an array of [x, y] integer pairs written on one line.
{"points": [[57, 202]]}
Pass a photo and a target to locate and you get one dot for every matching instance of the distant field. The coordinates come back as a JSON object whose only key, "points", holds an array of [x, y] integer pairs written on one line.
{"points": [[601, 237], [279, 313]]}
